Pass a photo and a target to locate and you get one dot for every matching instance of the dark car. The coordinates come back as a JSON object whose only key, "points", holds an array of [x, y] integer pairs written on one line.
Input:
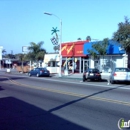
{"points": [[39, 72], [92, 74]]}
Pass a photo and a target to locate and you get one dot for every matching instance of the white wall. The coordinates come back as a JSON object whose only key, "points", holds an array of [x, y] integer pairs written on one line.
{"points": [[110, 62], [49, 57], [91, 62], [53, 69]]}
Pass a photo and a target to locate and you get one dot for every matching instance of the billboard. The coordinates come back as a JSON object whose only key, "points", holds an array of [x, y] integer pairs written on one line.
{"points": [[24, 48]]}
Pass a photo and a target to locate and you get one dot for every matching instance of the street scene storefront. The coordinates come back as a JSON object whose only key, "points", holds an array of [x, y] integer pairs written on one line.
{"points": [[73, 58], [76, 59], [115, 57]]}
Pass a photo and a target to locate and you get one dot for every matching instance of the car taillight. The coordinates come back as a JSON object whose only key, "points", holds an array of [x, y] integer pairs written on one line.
{"points": [[42, 71], [97, 74], [114, 74]]}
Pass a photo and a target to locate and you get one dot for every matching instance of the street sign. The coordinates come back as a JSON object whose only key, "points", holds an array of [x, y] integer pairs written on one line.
{"points": [[54, 41]]}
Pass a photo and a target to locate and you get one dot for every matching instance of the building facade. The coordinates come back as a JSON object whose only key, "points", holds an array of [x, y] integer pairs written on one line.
{"points": [[73, 57], [115, 57], [76, 59]]}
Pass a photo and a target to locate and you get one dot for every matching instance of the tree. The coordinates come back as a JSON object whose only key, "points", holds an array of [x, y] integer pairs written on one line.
{"points": [[92, 53], [79, 38], [36, 52], [88, 38], [56, 48], [21, 57], [99, 48], [11, 56], [122, 35], [3, 51]]}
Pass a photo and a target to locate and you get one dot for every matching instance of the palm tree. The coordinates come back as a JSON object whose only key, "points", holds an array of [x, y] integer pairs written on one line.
{"points": [[88, 38], [79, 38], [36, 52], [21, 57]]}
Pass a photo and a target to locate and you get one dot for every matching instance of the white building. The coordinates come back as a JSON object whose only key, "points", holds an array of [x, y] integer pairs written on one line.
{"points": [[51, 62]]}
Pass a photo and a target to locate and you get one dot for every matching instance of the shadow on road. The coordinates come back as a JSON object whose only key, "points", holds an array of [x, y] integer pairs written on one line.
{"points": [[1, 88], [18, 115], [85, 97], [12, 78]]}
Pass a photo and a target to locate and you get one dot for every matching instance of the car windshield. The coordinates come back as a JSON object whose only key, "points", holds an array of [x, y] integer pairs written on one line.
{"points": [[122, 70], [93, 71], [42, 69]]}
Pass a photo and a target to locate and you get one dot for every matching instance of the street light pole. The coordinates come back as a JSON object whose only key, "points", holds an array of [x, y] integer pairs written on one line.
{"points": [[60, 56], [1, 47]]}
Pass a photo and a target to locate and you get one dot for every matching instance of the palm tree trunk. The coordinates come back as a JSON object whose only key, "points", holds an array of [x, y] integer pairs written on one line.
{"points": [[22, 67]]}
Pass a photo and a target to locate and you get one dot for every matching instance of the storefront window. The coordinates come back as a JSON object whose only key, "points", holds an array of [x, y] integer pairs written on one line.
{"points": [[108, 63], [97, 64], [52, 64]]}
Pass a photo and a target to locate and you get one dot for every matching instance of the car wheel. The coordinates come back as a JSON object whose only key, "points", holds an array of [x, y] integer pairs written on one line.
{"points": [[37, 75], [29, 74], [99, 79], [87, 79]]}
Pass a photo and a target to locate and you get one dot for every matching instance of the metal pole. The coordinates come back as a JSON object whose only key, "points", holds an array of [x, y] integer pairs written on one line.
{"points": [[30, 64], [0, 64], [60, 56], [66, 67], [1, 47]]}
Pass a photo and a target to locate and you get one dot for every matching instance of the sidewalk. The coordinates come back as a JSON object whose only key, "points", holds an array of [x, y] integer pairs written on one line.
{"points": [[72, 76]]}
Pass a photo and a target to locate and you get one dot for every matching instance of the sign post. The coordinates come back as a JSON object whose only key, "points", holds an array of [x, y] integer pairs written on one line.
{"points": [[1, 47]]}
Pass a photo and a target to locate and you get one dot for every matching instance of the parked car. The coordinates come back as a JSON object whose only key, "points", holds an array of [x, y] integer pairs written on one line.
{"points": [[92, 74], [39, 72], [120, 74]]}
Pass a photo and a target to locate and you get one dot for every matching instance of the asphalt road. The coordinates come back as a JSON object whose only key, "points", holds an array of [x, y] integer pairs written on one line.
{"points": [[31, 103]]}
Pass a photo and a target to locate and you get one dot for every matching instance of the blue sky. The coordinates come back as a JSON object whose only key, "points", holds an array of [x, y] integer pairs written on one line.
{"points": [[24, 21]]}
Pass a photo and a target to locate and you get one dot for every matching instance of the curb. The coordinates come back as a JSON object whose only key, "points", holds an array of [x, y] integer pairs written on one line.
{"points": [[53, 76], [68, 78]]}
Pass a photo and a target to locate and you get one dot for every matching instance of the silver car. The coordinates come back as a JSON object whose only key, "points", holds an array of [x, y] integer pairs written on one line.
{"points": [[120, 74]]}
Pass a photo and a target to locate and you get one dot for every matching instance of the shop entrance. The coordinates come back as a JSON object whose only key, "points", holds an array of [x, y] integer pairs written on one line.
{"points": [[85, 65]]}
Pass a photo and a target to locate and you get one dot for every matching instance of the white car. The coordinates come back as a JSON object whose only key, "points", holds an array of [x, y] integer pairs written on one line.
{"points": [[120, 74]]}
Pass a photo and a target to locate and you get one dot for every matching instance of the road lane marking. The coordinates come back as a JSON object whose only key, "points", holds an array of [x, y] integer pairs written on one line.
{"points": [[73, 94], [69, 93]]}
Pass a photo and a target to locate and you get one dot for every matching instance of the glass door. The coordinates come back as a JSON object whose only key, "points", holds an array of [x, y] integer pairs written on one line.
{"points": [[85, 65]]}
